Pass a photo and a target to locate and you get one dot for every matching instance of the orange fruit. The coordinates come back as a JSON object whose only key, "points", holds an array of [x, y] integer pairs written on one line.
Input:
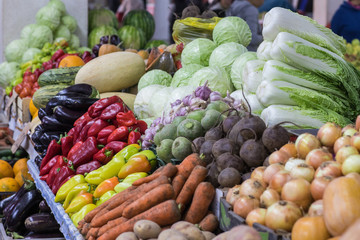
{"points": [[71, 61], [32, 108], [19, 165], [5, 169], [9, 185], [23, 175]]}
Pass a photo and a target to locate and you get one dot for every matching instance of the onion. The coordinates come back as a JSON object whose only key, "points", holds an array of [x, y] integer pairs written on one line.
{"points": [[271, 170], [269, 197], [345, 152], [328, 134], [355, 140], [354, 175], [351, 164], [305, 143], [317, 157], [329, 168], [256, 216], [357, 123], [290, 149], [298, 192], [341, 142], [282, 215], [316, 208], [278, 157], [279, 179], [252, 187], [303, 171], [292, 163], [348, 130], [245, 204], [258, 174], [233, 194], [318, 186]]}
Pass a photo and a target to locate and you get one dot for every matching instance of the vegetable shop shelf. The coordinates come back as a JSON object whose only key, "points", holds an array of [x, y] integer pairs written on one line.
{"points": [[66, 226]]}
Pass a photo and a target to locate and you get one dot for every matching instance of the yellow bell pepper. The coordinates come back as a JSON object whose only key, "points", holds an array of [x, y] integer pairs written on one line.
{"points": [[82, 187], [127, 182], [106, 196], [113, 167], [135, 164], [66, 187], [78, 216], [151, 156], [79, 201], [122, 186], [93, 177]]}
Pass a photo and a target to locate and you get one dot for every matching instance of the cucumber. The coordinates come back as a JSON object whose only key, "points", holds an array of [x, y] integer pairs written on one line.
{"points": [[42, 96], [58, 76]]}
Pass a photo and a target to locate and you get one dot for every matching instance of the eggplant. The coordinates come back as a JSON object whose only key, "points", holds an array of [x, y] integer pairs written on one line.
{"points": [[38, 131], [82, 88], [66, 115], [46, 138], [50, 123], [41, 222], [7, 210], [22, 209], [44, 207], [5, 202], [42, 113], [76, 102], [33, 235], [37, 160]]}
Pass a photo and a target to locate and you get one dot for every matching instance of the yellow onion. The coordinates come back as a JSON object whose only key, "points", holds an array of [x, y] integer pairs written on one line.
{"points": [[303, 171], [329, 168], [279, 157], [351, 164], [341, 142], [271, 170], [252, 187], [345, 152], [256, 216], [269, 197], [298, 192], [305, 143], [282, 215], [317, 157], [316, 208], [328, 134], [318, 186]]}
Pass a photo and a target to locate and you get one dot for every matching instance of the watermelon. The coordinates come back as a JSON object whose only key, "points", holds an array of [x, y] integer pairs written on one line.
{"points": [[141, 19], [155, 43], [100, 17], [132, 37], [97, 33]]}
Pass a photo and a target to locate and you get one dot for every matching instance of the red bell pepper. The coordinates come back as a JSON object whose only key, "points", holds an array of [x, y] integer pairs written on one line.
{"points": [[96, 127], [110, 111], [66, 144], [62, 161], [104, 134], [85, 152], [142, 125], [44, 177], [46, 169], [96, 109], [126, 119], [104, 155], [85, 129], [53, 149], [71, 132], [120, 133], [116, 146], [64, 173], [74, 149], [88, 167], [57, 55], [134, 137], [84, 118]]}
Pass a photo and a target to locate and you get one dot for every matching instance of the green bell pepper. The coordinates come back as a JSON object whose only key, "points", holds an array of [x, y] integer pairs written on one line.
{"points": [[106, 196], [66, 187], [78, 216]]}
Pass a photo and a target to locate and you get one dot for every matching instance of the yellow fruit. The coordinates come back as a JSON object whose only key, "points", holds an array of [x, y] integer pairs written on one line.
{"points": [[32, 108], [19, 165], [9, 185], [23, 175], [5, 169]]}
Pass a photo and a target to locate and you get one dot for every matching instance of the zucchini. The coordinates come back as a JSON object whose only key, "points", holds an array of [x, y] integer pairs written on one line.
{"points": [[42, 96], [58, 76]]}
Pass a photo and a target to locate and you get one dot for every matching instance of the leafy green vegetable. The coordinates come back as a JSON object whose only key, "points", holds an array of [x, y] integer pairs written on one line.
{"points": [[141, 104], [40, 35], [183, 75], [30, 54], [252, 75], [62, 31], [27, 31], [232, 29], [159, 101], [7, 72], [155, 76], [49, 16], [70, 22], [263, 51], [74, 41], [238, 66], [15, 50], [198, 52], [256, 106], [57, 4]]}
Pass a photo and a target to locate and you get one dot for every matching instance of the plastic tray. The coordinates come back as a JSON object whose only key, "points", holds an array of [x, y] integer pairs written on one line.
{"points": [[66, 226]]}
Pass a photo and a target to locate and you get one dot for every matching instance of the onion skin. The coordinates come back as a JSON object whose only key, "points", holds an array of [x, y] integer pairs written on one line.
{"points": [[282, 215], [329, 168], [279, 157], [298, 192], [233, 194], [258, 174], [316, 208], [269, 197], [305, 143], [271, 170], [345, 152], [349, 132], [252, 187], [355, 141], [328, 134], [310, 228], [341, 142], [303, 171], [279, 179], [256, 216], [351, 164], [317, 156], [318, 186], [292, 163], [245, 204], [290, 149]]}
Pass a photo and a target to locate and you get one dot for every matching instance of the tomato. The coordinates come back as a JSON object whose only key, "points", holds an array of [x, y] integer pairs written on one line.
{"points": [[26, 79], [33, 91], [25, 92], [36, 84], [27, 72], [33, 78], [27, 85], [18, 88]]}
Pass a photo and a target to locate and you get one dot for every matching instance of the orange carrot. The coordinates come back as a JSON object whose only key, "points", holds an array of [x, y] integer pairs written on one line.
{"points": [[209, 223], [85, 229], [188, 164], [110, 215], [163, 214], [203, 196], [178, 183], [152, 198], [92, 232], [91, 238], [169, 171], [111, 224], [198, 174], [81, 224]]}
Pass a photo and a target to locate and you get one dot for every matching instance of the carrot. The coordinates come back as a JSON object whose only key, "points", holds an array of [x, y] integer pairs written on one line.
{"points": [[188, 164], [198, 174], [81, 224], [203, 196], [91, 238], [169, 171], [111, 224], [156, 196], [110, 215], [163, 214], [177, 183], [209, 223], [92, 232], [85, 229]]}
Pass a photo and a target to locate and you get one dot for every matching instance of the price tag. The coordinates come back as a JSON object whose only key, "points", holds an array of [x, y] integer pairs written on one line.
{"points": [[9, 103], [21, 137]]}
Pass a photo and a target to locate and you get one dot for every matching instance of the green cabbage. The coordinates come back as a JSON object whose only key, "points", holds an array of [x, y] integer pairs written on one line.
{"points": [[238, 66], [63, 32], [48, 16], [232, 29], [41, 35], [224, 55], [141, 104], [183, 75], [216, 77], [57, 4], [27, 31], [155, 76], [74, 41], [97, 33], [70, 22], [7, 73], [15, 50], [197, 51], [159, 101], [30, 54]]}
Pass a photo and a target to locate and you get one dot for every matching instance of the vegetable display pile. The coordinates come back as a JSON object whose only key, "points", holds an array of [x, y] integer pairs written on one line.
{"points": [[352, 54]]}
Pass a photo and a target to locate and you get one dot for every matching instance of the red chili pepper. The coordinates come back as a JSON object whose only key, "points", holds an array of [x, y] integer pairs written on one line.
{"points": [[142, 125], [57, 55], [134, 137], [44, 177], [104, 134], [96, 109], [126, 119], [85, 129], [53, 149], [85, 152], [104, 155], [66, 144], [96, 127], [88, 167], [116, 146], [46, 169], [120, 133], [64, 173], [74, 149], [84, 118], [110, 111], [62, 161], [71, 132]]}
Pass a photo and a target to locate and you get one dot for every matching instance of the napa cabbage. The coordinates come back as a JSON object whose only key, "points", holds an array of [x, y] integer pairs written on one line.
{"points": [[238, 66]]}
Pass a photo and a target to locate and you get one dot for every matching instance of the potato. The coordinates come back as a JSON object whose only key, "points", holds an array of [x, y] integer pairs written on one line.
{"points": [[146, 229], [189, 230], [171, 234], [221, 236], [208, 235], [127, 236]]}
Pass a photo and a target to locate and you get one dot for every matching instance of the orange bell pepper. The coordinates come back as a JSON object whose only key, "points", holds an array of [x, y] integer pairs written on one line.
{"points": [[138, 163], [82, 199], [105, 186]]}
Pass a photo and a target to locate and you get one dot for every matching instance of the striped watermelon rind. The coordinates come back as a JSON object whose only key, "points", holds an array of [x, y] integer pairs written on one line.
{"points": [[132, 37], [141, 19]]}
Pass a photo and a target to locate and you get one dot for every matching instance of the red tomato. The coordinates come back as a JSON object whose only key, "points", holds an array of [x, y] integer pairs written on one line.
{"points": [[26, 79], [33, 91], [18, 88], [25, 92], [33, 78], [27, 85], [27, 72], [36, 84]]}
